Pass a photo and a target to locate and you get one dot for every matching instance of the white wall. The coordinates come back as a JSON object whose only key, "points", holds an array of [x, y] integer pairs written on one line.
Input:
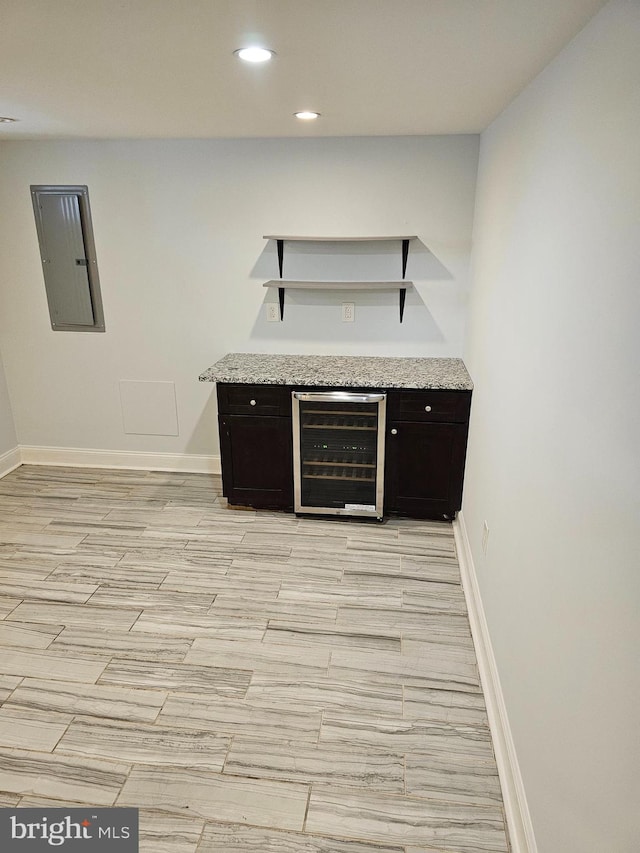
{"points": [[553, 457], [8, 440], [178, 230]]}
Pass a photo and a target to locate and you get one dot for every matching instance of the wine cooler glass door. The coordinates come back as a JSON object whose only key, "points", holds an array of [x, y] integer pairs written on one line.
{"points": [[339, 452]]}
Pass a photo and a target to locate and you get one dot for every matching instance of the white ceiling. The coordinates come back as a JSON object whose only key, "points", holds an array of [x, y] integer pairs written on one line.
{"points": [[165, 68]]}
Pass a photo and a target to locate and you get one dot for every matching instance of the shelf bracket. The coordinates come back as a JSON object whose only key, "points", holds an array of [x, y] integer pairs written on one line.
{"points": [[403, 294], [281, 302], [405, 255], [280, 244]]}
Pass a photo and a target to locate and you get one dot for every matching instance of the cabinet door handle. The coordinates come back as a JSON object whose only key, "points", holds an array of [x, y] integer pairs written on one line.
{"points": [[427, 408], [394, 432], [252, 402]]}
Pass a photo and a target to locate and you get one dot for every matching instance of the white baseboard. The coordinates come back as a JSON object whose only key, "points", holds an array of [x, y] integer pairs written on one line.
{"points": [[9, 461], [517, 814], [82, 458]]}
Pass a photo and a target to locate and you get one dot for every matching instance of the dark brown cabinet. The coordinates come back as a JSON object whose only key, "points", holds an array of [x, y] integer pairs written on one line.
{"points": [[426, 445], [256, 446], [426, 440]]}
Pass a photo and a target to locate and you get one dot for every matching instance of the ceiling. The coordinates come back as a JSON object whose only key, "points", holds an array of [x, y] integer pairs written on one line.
{"points": [[165, 68]]}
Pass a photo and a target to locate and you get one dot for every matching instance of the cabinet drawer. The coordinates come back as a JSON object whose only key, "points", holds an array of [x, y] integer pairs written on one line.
{"points": [[254, 399], [430, 406]]}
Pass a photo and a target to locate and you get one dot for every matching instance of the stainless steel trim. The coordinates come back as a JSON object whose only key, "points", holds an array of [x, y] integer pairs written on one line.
{"points": [[332, 397], [297, 468], [337, 397], [382, 431]]}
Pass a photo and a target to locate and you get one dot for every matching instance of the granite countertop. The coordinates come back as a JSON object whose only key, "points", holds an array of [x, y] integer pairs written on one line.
{"points": [[340, 371]]}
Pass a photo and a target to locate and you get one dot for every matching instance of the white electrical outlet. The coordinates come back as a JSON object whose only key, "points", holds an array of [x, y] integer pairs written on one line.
{"points": [[348, 312], [485, 537], [273, 312]]}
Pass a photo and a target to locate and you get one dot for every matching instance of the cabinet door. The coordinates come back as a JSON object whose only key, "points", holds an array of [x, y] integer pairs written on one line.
{"points": [[424, 468], [257, 461]]}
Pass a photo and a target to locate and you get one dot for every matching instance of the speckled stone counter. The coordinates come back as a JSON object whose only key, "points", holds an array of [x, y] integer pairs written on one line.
{"points": [[340, 371]]}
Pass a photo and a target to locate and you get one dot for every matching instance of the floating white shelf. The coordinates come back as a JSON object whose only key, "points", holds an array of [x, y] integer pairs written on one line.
{"points": [[338, 285], [282, 284], [339, 239]]}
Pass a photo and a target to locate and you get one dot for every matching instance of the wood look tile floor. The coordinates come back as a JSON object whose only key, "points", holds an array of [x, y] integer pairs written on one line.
{"points": [[250, 680]]}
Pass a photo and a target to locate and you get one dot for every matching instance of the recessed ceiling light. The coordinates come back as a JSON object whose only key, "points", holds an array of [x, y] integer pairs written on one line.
{"points": [[255, 54], [6, 119], [307, 115]]}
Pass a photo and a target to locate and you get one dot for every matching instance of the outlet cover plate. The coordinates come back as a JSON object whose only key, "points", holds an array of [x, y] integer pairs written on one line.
{"points": [[273, 312], [348, 312]]}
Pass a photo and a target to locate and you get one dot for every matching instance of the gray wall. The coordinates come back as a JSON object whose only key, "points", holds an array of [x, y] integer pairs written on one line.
{"points": [[178, 229], [8, 440], [553, 458]]}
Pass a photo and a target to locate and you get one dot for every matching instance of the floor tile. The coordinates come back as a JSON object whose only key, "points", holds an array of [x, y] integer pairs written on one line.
{"points": [[259, 657], [163, 623], [144, 743], [28, 635], [277, 608], [164, 833], [435, 597], [180, 678], [8, 801], [400, 618], [325, 694], [63, 776], [444, 706], [395, 583], [442, 568], [266, 552], [180, 603], [462, 828], [234, 716], [174, 559], [8, 684], [332, 765], [48, 590], [86, 642], [119, 576], [97, 700], [378, 732], [7, 606], [214, 580], [334, 636], [317, 542], [259, 802], [452, 774], [337, 594], [442, 668], [19, 729], [75, 614], [48, 664], [45, 540], [351, 557], [223, 838]]}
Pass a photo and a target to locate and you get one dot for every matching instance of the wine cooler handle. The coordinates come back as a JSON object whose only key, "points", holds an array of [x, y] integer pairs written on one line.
{"points": [[337, 397]]}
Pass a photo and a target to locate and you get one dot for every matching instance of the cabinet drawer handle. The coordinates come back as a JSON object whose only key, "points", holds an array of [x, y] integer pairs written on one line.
{"points": [[394, 432], [252, 402], [427, 408]]}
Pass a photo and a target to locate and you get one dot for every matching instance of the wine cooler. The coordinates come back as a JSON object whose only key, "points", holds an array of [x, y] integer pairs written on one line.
{"points": [[338, 452]]}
